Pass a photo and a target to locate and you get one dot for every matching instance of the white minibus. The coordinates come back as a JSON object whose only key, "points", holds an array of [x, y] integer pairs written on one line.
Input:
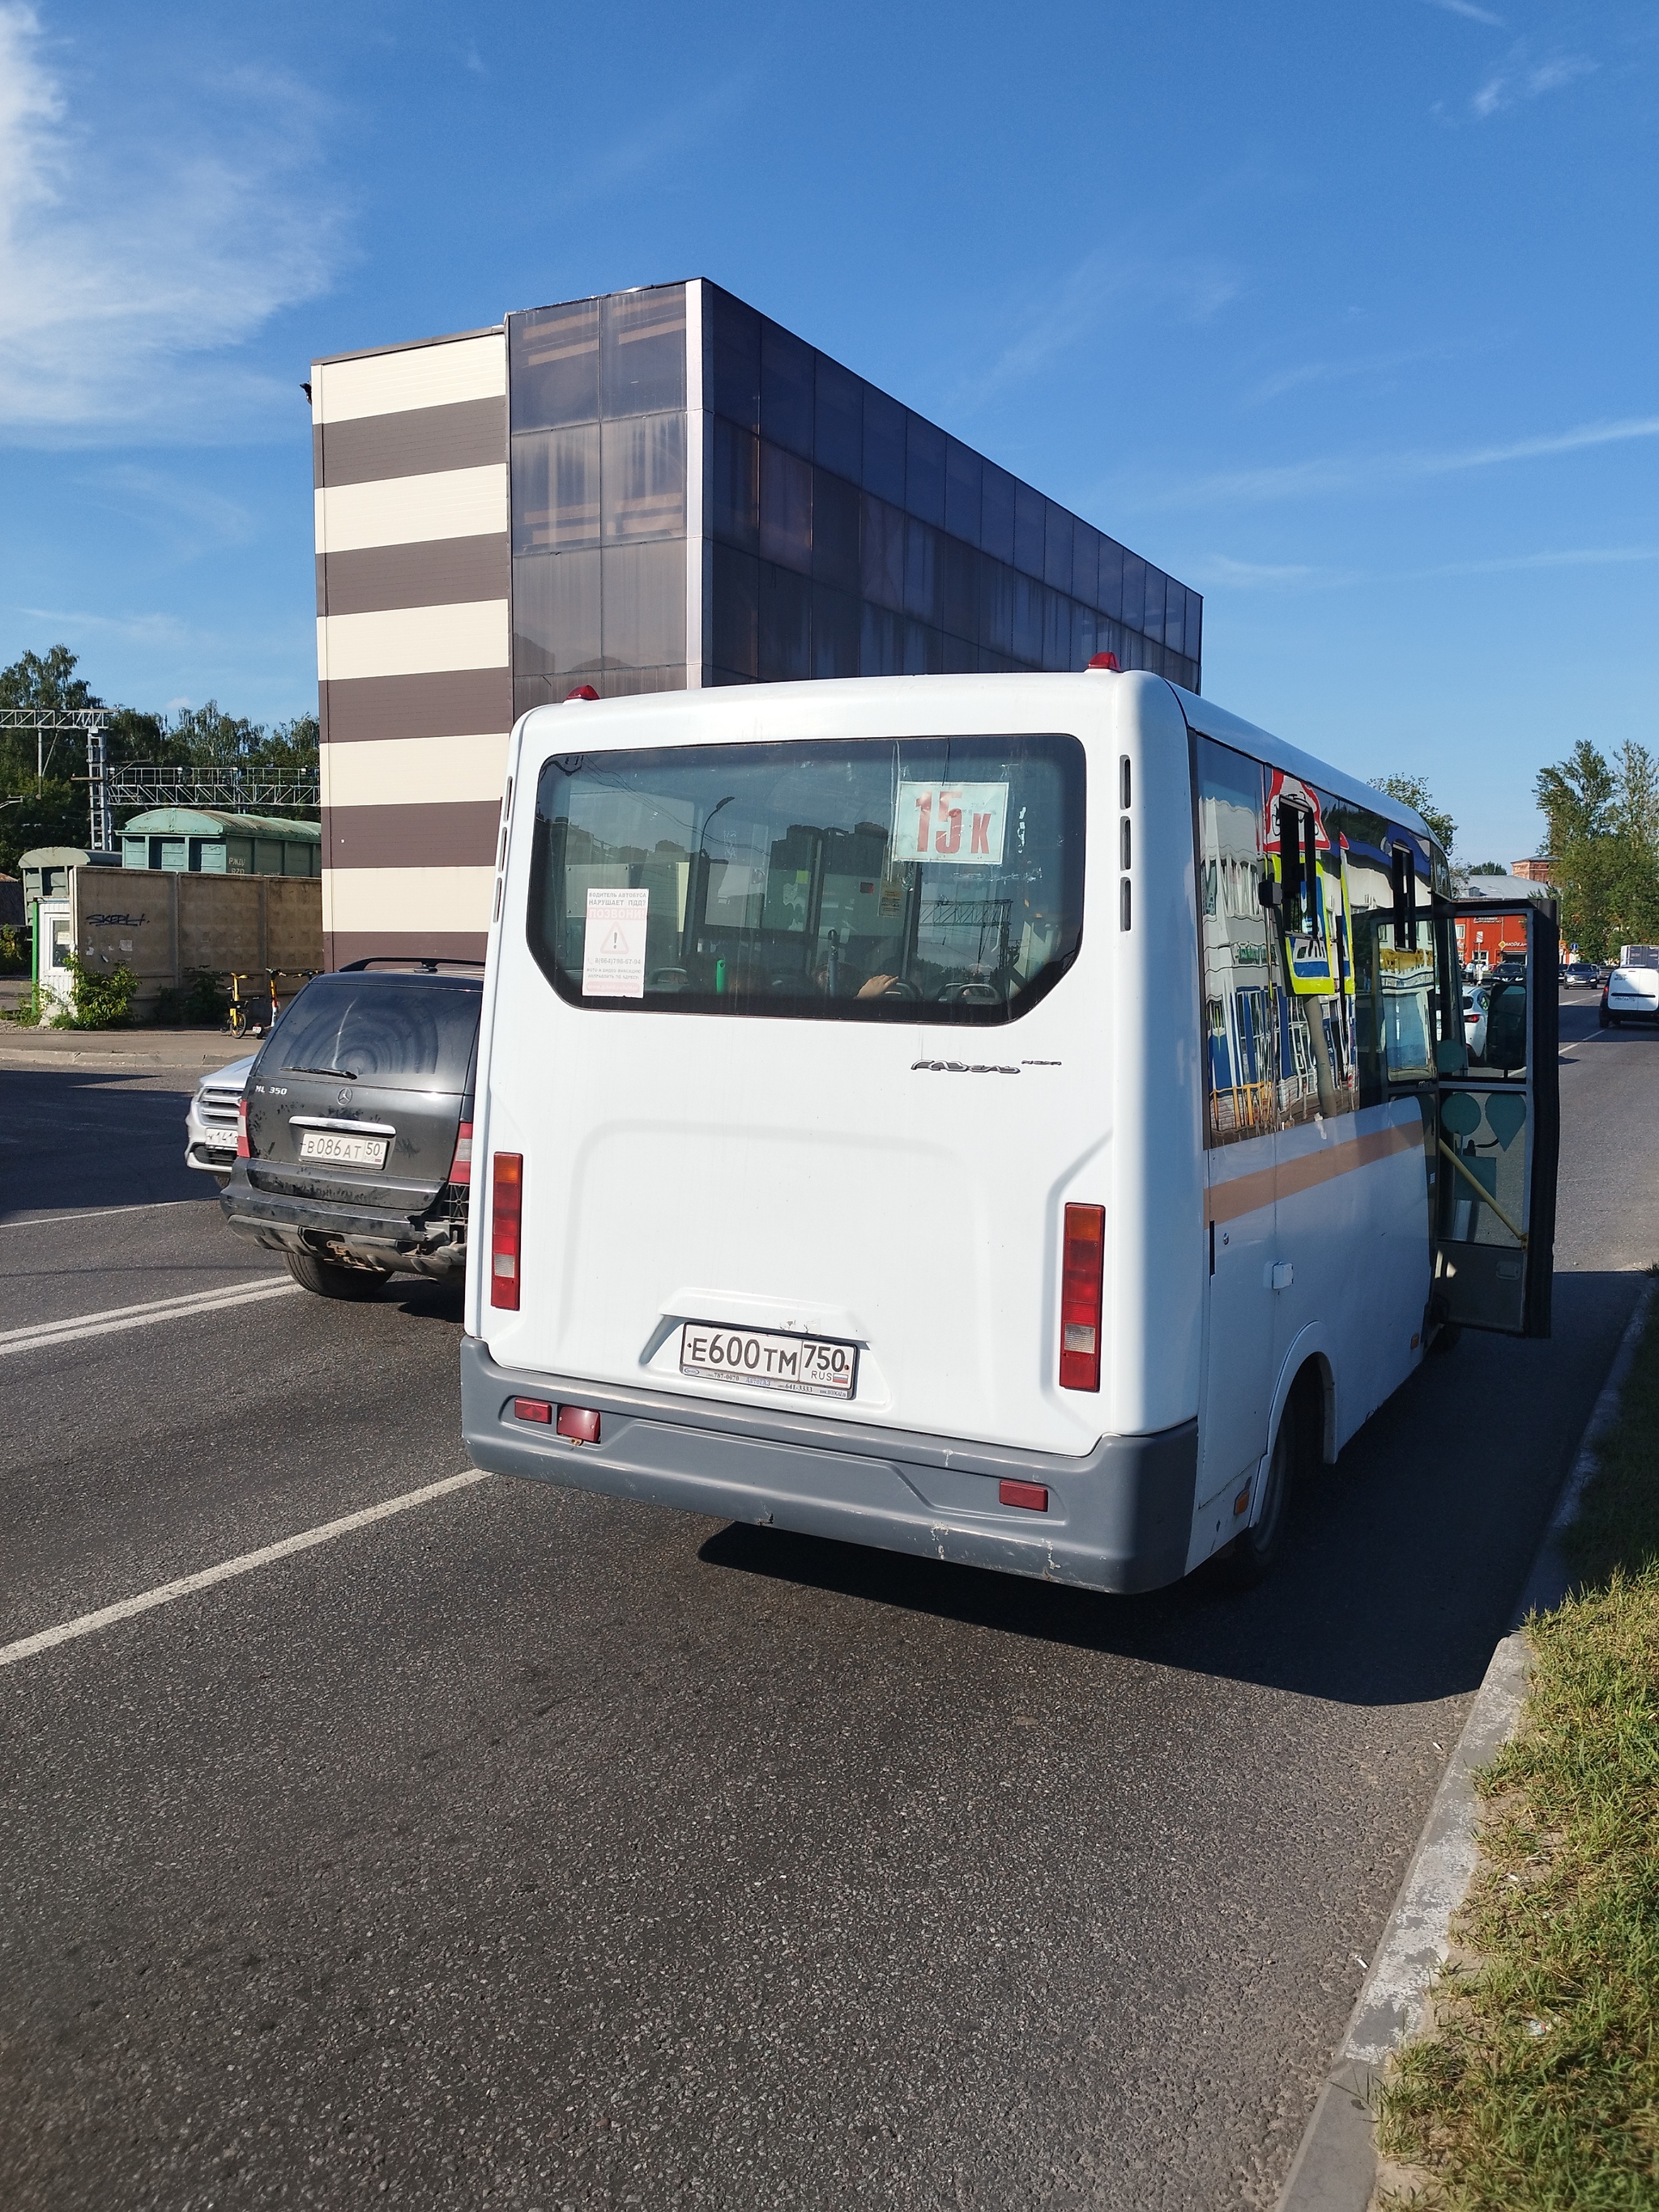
{"points": [[1015, 1120]]}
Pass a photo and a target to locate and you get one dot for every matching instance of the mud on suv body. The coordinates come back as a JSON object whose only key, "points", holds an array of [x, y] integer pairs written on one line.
{"points": [[354, 1160]]}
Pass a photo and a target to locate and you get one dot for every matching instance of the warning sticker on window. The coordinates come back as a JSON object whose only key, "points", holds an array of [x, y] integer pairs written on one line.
{"points": [[957, 824], [613, 945]]}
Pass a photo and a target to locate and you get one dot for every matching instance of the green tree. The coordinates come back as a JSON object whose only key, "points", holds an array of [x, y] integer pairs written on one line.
{"points": [[1414, 791], [51, 808], [39, 802], [1603, 821]]}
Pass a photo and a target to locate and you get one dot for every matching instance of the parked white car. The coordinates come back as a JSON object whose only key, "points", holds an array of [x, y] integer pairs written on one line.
{"points": [[1633, 995], [210, 1124]]}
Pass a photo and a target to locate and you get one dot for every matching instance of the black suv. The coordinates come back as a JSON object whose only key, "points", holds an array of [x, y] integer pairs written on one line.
{"points": [[354, 1157]]}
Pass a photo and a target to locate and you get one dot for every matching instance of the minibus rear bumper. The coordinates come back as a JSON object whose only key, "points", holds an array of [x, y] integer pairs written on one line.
{"points": [[1119, 1518]]}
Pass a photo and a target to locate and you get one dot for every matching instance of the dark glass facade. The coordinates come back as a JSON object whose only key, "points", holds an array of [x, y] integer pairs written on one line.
{"points": [[841, 534], [597, 414]]}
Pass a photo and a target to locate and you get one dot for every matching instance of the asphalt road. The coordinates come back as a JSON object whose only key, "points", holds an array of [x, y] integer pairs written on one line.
{"points": [[531, 1850]]}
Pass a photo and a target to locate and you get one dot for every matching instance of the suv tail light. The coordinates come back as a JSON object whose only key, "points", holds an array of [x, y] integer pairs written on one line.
{"points": [[460, 1168], [242, 1151], [1081, 1270], [505, 1214]]}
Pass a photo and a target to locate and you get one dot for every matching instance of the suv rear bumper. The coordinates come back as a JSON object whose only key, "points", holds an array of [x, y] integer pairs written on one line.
{"points": [[1119, 1517], [397, 1240]]}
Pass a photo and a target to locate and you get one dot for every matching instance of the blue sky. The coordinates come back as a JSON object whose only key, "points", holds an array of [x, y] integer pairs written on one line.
{"points": [[1345, 316]]}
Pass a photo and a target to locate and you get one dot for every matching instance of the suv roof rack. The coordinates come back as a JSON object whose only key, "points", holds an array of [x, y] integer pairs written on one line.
{"points": [[409, 963]]}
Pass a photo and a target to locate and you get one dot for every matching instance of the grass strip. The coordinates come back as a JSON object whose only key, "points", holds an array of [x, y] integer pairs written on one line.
{"points": [[1536, 2087]]}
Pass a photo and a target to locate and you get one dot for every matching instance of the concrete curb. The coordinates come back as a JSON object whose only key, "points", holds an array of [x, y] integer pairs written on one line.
{"points": [[122, 1049], [1335, 2165]]}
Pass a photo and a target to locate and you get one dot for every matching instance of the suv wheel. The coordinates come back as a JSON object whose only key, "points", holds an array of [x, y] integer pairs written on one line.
{"points": [[330, 1280]]}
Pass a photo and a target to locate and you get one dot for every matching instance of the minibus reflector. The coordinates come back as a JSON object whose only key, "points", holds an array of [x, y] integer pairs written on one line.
{"points": [[242, 1151], [580, 1423], [1082, 1268], [506, 1213], [1031, 1495], [460, 1168], [531, 1409]]}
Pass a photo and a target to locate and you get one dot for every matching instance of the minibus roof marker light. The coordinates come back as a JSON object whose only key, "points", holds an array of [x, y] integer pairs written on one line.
{"points": [[1106, 661], [581, 691]]}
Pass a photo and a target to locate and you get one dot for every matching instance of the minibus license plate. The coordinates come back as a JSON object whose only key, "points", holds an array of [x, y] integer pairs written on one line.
{"points": [[348, 1151], [769, 1360]]}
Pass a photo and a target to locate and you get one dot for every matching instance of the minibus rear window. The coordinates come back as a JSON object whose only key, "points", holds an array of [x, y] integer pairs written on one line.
{"points": [[913, 879]]}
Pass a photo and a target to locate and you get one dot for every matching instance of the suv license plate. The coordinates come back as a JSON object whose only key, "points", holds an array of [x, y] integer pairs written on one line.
{"points": [[346, 1152], [769, 1360]]}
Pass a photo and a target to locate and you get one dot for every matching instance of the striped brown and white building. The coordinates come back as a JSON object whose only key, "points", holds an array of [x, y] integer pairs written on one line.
{"points": [[650, 490], [414, 669]]}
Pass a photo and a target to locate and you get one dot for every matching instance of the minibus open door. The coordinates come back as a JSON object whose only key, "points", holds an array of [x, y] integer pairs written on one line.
{"points": [[1497, 1125]]}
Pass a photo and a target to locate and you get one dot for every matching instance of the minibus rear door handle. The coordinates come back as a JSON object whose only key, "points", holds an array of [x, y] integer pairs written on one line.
{"points": [[1283, 1274]]}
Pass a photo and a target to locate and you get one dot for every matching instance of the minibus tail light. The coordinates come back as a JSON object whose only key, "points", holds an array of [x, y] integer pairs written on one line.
{"points": [[506, 1218], [1082, 1269], [460, 1168], [243, 1153]]}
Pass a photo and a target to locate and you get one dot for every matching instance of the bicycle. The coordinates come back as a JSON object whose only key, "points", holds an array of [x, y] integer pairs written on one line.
{"points": [[237, 1013]]}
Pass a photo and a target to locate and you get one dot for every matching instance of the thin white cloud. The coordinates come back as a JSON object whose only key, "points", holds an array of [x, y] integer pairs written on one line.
{"points": [[1522, 79], [1473, 15], [131, 629], [134, 260], [1315, 478], [1221, 572], [1300, 374], [1101, 286], [200, 519], [658, 142]]}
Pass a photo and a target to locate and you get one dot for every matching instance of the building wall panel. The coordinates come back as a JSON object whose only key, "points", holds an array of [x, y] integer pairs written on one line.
{"points": [[436, 572], [457, 703], [439, 375], [454, 833], [418, 442], [413, 641], [414, 901], [347, 945], [405, 772], [403, 510]]}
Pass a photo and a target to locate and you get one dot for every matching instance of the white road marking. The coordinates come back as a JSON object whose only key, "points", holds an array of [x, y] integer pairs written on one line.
{"points": [[88, 1624], [111, 1323], [99, 1212]]}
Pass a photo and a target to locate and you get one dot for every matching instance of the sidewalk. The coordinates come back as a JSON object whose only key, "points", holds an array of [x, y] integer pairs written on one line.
{"points": [[135, 1051]]}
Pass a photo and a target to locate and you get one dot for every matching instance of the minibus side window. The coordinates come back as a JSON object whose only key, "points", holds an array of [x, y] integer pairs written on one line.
{"points": [[1400, 991], [1317, 1048], [1241, 993]]}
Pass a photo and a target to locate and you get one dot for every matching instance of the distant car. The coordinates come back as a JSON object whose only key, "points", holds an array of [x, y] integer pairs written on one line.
{"points": [[1581, 971], [1631, 994], [210, 1124], [1507, 971], [355, 1159], [1477, 1001]]}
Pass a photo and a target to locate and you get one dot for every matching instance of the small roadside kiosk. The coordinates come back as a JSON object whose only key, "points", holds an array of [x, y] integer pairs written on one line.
{"points": [[46, 872]]}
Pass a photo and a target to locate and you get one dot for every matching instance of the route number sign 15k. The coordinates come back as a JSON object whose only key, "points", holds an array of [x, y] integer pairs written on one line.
{"points": [[959, 825]]}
